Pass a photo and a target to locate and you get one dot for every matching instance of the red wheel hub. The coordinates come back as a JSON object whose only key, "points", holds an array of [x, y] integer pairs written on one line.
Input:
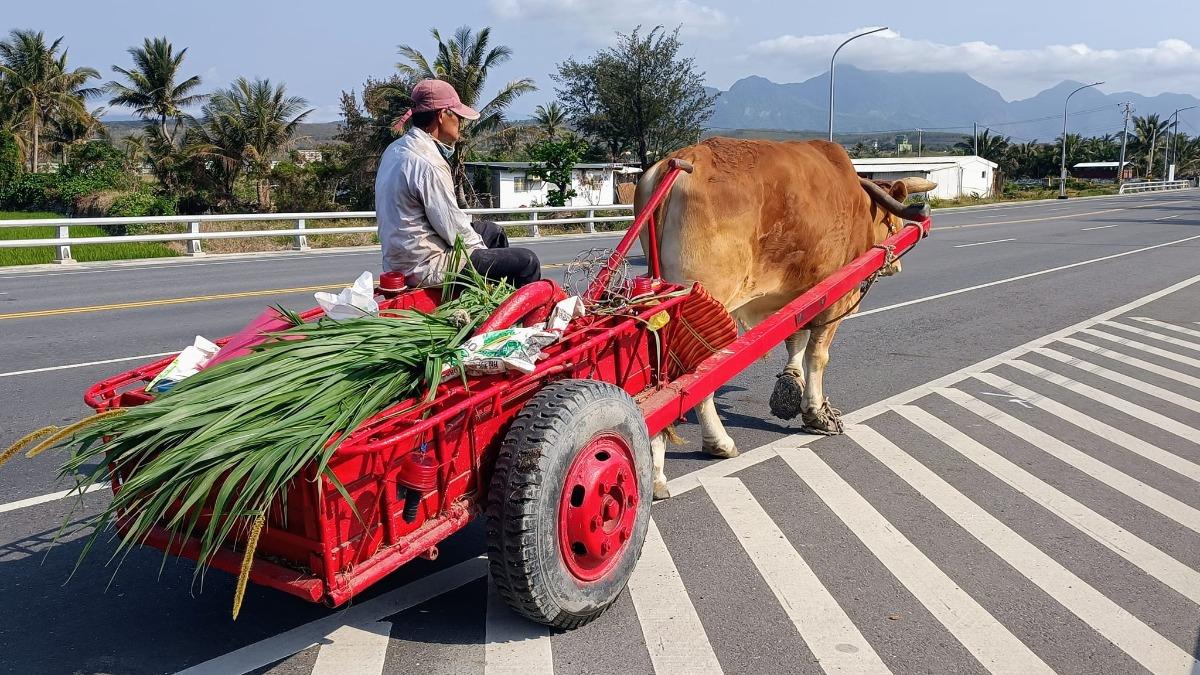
{"points": [[599, 507]]}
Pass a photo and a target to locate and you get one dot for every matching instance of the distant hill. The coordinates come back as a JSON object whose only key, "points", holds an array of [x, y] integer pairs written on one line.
{"points": [[875, 101], [308, 135]]}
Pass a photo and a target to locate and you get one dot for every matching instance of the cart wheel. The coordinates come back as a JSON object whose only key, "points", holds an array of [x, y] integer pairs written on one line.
{"points": [[569, 503]]}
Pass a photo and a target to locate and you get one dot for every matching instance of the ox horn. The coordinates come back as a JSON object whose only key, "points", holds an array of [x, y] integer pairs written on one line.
{"points": [[915, 184], [894, 207]]}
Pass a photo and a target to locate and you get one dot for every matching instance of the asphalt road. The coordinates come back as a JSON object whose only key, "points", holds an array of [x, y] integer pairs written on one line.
{"points": [[1025, 499]]}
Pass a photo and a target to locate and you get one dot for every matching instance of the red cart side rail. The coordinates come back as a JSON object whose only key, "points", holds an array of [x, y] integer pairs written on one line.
{"points": [[673, 401]]}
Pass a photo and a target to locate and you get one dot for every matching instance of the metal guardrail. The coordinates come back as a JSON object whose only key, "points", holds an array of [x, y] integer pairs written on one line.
{"points": [[300, 233], [1154, 186]]}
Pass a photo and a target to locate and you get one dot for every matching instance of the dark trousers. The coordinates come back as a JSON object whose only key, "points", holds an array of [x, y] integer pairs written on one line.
{"points": [[517, 266]]}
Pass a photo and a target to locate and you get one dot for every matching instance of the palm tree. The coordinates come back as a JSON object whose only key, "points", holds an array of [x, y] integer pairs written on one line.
{"points": [[990, 147], [150, 87], [552, 118], [36, 84], [248, 124], [1148, 135], [1187, 157], [67, 131], [465, 61]]}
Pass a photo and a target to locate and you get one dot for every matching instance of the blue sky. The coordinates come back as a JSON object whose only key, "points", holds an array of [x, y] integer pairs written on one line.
{"points": [[319, 49]]}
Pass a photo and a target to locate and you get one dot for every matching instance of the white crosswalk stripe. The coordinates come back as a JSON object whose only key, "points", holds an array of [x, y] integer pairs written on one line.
{"points": [[986, 638], [1123, 379], [1142, 346], [826, 629], [1152, 334], [1135, 638], [513, 645], [1179, 577], [1167, 326], [1135, 362], [354, 650]]}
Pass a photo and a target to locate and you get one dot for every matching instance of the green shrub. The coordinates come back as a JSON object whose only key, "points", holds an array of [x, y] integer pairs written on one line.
{"points": [[136, 204]]}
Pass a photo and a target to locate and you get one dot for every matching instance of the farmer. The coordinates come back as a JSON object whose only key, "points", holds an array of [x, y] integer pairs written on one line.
{"points": [[419, 218]]}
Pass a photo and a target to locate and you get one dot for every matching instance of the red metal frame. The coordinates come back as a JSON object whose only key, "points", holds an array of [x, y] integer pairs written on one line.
{"points": [[317, 548]]}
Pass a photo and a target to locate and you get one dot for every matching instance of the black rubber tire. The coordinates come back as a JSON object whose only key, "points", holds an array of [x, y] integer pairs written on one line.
{"points": [[526, 491]]}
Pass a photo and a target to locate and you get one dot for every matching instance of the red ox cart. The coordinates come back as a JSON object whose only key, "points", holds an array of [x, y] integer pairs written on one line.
{"points": [[557, 460]]}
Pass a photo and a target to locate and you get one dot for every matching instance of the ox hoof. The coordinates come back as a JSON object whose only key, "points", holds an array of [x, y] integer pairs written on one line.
{"points": [[661, 491], [825, 420], [723, 449], [787, 401]]}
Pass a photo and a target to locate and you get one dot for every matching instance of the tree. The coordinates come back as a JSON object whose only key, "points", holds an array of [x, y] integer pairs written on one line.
{"points": [[64, 132], [465, 61], [990, 147], [10, 160], [554, 162], [246, 125], [151, 86], [36, 85], [1147, 137], [551, 118], [639, 93]]}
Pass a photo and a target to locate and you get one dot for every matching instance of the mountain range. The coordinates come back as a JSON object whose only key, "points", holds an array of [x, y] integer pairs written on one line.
{"points": [[877, 101]]}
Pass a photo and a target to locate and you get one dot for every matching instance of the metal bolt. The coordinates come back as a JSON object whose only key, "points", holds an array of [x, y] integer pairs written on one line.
{"points": [[629, 501], [620, 476], [595, 524], [603, 487], [605, 548]]}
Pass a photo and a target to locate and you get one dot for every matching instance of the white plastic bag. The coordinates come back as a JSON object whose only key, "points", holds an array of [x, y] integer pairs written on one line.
{"points": [[353, 302], [188, 363], [564, 313], [498, 351]]}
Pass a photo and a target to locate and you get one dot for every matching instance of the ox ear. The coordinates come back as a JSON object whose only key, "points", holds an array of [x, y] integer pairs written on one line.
{"points": [[898, 190]]}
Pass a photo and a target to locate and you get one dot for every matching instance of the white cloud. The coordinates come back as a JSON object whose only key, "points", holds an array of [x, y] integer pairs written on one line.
{"points": [[1171, 65], [599, 19]]}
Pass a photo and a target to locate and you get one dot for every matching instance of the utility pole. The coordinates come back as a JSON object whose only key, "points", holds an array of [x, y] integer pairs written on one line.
{"points": [[975, 134], [1150, 160], [1124, 141], [919, 133]]}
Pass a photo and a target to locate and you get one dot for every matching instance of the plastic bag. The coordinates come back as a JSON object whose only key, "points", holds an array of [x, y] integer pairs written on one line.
{"points": [[517, 348], [353, 302], [188, 363]]}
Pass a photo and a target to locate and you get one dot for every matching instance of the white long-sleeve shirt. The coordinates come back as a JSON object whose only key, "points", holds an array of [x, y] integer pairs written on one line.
{"points": [[417, 212]]}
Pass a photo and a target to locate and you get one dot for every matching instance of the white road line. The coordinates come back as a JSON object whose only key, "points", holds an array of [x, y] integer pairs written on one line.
{"points": [[1149, 349], [674, 635], [1152, 334], [1136, 411], [1121, 378], [355, 650], [287, 643], [1124, 630], [1174, 574], [982, 243], [1094, 426], [86, 364], [52, 497], [987, 639], [1169, 217], [1135, 362], [1022, 277], [236, 261], [1169, 326], [1120, 481], [827, 630], [1098, 227], [514, 645]]}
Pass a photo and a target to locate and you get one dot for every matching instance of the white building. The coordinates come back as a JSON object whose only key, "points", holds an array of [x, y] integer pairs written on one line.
{"points": [[957, 176], [512, 187]]}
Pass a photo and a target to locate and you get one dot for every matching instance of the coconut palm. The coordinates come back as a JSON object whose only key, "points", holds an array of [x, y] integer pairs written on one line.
{"points": [[36, 85], [151, 86], [248, 124], [990, 147], [64, 132], [1147, 138], [551, 118], [464, 61]]}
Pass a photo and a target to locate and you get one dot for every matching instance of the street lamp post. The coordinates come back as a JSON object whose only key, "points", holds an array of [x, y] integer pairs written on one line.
{"points": [[1167, 149], [831, 59], [1062, 177]]}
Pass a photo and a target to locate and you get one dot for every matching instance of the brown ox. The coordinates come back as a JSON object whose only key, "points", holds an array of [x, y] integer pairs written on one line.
{"points": [[758, 223]]}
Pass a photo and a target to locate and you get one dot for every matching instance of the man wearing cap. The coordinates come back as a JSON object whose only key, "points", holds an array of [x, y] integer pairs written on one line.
{"points": [[419, 218]]}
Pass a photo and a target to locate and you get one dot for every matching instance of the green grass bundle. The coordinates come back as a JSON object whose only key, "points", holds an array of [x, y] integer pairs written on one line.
{"points": [[233, 437]]}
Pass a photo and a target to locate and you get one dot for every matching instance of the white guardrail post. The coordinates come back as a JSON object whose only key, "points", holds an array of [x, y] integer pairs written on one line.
{"points": [[591, 224], [301, 243], [62, 252], [193, 245], [533, 225]]}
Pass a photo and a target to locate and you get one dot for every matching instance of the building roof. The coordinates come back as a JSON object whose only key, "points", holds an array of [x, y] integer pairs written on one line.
{"points": [[1098, 165], [526, 165], [895, 164]]}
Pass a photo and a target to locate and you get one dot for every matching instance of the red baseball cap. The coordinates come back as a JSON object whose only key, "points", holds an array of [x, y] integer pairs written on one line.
{"points": [[438, 95]]}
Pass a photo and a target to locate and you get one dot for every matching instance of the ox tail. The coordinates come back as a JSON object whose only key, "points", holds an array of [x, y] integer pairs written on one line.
{"points": [[891, 204]]}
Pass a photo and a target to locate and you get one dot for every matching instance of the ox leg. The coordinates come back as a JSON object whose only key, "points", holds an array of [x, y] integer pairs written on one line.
{"points": [[658, 450], [717, 442], [819, 417], [787, 401]]}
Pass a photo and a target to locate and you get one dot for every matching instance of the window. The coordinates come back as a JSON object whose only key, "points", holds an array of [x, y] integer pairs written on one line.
{"points": [[983, 174], [523, 183]]}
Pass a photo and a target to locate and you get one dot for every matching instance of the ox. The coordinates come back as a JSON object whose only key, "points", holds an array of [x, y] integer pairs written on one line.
{"points": [[758, 223]]}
